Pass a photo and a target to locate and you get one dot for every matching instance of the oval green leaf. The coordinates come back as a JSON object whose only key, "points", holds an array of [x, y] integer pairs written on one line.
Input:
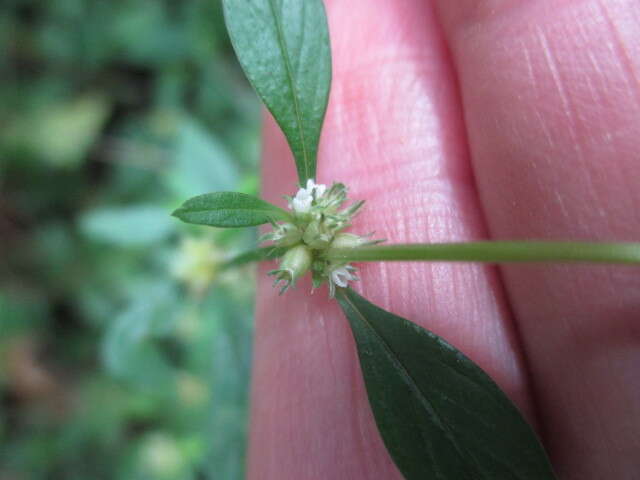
{"points": [[229, 210], [439, 414], [283, 47]]}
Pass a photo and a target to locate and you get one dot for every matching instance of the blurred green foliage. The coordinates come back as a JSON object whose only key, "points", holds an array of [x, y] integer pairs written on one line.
{"points": [[124, 352]]}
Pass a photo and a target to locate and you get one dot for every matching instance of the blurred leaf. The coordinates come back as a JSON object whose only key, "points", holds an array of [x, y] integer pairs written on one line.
{"points": [[128, 349], [59, 133], [142, 33], [54, 248], [19, 312], [439, 414], [110, 105], [230, 326], [116, 407], [139, 151], [229, 210], [127, 226], [201, 163], [284, 50]]}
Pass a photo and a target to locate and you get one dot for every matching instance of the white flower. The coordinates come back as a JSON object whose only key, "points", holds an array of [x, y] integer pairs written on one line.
{"points": [[301, 203], [341, 276]]}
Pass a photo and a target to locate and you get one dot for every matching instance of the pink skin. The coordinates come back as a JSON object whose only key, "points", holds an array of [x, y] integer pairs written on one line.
{"points": [[463, 120]]}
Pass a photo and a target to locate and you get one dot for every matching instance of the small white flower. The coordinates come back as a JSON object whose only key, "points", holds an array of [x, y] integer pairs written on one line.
{"points": [[342, 276], [301, 203], [319, 188]]}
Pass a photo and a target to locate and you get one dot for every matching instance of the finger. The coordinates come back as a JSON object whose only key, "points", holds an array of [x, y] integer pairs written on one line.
{"points": [[551, 95], [393, 133]]}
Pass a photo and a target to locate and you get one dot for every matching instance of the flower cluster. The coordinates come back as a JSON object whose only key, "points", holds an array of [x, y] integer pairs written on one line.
{"points": [[317, 226], [197, 263]]}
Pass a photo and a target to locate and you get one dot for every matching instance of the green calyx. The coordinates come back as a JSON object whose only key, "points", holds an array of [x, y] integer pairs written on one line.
{"points": [[316, 228], [294, 264]]}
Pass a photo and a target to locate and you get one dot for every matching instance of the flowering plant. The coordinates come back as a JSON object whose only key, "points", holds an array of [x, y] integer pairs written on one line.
{"points": [[438, 413], [317, 228]]}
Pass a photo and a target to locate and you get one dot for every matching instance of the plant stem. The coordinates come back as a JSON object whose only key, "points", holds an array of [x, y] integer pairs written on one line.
{"points": [[494, 252]]}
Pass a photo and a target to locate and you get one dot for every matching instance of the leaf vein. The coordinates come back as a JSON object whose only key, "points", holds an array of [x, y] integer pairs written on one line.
{"points": [[292, 86], [413, 386]]}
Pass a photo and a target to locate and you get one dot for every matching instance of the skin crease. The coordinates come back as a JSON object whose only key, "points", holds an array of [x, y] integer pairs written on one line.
{"points": [[461, 121]]}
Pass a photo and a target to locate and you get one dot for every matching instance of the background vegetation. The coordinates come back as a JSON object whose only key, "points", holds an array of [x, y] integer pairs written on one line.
{"points": [[124, 351]]}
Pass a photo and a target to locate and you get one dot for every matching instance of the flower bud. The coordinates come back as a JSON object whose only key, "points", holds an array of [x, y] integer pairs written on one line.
{"points": [[282, 235], [295, 263], [288, 234], [315, 236], [297, 260], [348, 240], [333, 198]]}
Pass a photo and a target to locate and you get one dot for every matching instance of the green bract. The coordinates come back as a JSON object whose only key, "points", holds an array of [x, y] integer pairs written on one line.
{"points": [[294, 264]]}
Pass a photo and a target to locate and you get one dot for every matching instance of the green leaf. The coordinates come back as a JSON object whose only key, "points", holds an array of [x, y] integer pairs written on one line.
{"points": [[283, 47], [129, 349], [256, 255], [229, 210], [439, 414], [59, 133]]}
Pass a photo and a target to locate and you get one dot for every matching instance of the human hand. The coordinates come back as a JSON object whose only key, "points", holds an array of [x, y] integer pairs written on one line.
{"points": [[461, 121]]}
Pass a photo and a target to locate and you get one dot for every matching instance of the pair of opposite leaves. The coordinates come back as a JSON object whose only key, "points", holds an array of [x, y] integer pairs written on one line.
{"points": [[439, 414]]}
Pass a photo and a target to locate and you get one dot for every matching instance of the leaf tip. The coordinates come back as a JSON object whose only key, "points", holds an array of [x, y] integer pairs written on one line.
{"points": [[178, 213]]}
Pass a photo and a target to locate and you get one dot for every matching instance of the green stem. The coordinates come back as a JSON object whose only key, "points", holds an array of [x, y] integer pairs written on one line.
{"points": [[256, 255], [494, 252]]}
